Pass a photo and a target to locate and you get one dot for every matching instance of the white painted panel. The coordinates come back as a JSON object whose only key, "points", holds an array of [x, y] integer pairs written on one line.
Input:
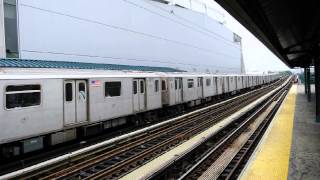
{"points": [[232, 83], [208, 90], [198, 6], [183, 3], [189, 94], [153, 98], [27, 122], [133, 32], [104, 108]]}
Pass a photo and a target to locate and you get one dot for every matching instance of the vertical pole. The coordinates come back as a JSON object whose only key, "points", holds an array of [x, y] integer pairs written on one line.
{"points": [[305, 81], [308, 84], [317, 87]]}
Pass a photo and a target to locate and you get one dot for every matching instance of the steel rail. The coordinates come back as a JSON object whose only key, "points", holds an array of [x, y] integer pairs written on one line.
{"points": [[235, 166], [196, 170], [180, 137]]}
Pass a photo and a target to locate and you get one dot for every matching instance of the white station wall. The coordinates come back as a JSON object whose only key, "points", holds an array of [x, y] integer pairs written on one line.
{"points": [[132, 32], [2, 32]]}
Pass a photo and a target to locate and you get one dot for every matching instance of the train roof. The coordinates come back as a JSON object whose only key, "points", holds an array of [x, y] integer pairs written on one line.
{"points": [[51, 73], [36, 69]]}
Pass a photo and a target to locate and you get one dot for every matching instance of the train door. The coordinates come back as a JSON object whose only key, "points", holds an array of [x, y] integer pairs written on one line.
{"points": [[75, 101], [214, 86], [178, 90], [222, 85], [225, 87], [200, 87], [81, 101], [139, 93]]}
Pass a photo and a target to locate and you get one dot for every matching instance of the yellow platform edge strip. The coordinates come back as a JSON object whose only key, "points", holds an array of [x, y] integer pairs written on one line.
{"points": [[271, 159]]}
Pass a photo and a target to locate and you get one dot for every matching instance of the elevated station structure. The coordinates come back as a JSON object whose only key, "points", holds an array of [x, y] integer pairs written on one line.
{"points": [[290, 29]]}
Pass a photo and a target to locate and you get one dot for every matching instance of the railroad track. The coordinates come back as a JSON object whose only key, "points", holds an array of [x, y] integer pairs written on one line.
{"points": [[122, 157], [224, 155]]}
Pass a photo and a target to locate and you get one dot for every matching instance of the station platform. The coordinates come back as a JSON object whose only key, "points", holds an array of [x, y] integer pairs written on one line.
{"points": [[290, 149]]}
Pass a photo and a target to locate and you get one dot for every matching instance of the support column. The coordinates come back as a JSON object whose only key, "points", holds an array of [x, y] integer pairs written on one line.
{"points": [[308, 83], [317, 86], [305, 80]]}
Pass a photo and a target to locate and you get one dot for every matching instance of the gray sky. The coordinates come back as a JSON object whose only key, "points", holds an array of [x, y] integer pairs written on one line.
{"points": [[257, 57]]}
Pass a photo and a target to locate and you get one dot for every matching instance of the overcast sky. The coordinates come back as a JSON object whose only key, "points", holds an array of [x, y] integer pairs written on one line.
{"points": [[257, 57]]}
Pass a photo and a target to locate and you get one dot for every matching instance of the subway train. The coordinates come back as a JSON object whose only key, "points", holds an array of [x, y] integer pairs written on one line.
{"points": [[45, 107]]}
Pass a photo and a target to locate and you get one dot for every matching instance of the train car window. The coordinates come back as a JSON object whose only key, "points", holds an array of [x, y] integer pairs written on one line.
{"points": [[112, 89], [156, 85], [23, 96], [69, 92], [180, 83], [141, 87], [208, 82], [135, 87], [190, 83], [163, 85]]}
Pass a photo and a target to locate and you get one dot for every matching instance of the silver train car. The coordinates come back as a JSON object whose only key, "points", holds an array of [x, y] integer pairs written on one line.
{"points": [[46, 107]]}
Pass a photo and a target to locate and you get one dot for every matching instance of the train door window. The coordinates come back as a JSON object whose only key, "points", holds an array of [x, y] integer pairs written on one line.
{"points": [[112, 88], [141, 86], [199, 80], [156, 85], [82, 91], [190, 83], [208, 82], [176, 84], [23, 96], [135, 87], [180, 83], [69, 92], [163, 85]]}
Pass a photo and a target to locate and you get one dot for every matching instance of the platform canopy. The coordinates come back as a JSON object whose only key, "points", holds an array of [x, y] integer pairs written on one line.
{"points": [[289, 28], [29, 63]]}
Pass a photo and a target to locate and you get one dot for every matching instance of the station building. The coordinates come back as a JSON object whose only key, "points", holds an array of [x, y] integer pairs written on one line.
{"points": [[183, 34]]}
